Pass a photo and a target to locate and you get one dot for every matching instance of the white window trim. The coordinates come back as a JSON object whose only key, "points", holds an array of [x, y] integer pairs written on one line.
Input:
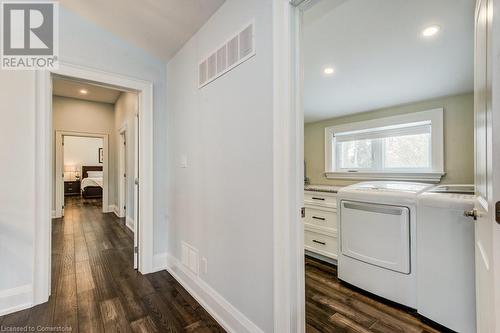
{"points": [[437, 137]]}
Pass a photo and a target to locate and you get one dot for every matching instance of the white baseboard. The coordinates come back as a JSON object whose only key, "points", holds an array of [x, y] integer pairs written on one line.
{"points": [[129, 222], [230, 318], [321, 257], [53, 214], [114, 209], [160, 262], [16, 299]]}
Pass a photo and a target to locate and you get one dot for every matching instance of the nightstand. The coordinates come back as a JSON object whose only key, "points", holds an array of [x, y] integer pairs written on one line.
{"points": [[71, 188]]}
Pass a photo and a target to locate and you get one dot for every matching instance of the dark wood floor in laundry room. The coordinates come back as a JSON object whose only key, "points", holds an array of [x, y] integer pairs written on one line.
{"points": [[332, 306]]}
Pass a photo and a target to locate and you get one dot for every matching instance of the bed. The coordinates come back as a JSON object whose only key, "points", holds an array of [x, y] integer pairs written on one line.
{"points": [[91, 183]]}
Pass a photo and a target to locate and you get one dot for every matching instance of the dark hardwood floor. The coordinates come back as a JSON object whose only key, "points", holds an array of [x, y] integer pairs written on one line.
{"points": [[332, 306], [95, 288]]}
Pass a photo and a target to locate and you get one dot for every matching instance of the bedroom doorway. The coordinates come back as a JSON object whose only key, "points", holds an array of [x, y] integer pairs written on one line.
{"points": [[82, 169]]}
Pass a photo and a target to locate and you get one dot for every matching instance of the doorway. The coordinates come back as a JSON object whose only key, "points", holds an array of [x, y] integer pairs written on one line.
{"points": [[330, 81], [143, 253], [91, 122], [77, 154]]}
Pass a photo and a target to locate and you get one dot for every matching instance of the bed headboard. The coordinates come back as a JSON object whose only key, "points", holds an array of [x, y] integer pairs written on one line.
{"points": [[86, 168]]}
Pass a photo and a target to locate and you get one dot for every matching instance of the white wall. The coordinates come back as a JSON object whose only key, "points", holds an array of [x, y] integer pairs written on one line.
{"points": [[79, 151], [17, 204], [222, 202], [125, 111], [82, 43]]}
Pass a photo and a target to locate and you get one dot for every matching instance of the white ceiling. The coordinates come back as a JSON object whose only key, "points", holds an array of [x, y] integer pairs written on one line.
{"points": [[161, 27], [69, 88], [379, 56]]}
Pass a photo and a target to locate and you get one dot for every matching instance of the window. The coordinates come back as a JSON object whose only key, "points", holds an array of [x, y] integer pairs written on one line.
{"points": [[407, 147]]}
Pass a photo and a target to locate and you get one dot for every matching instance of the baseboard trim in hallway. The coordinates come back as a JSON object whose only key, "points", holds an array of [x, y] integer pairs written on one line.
{"points": [[215, 304], [16, 299]]}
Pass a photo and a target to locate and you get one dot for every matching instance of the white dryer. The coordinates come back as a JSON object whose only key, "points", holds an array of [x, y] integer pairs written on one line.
{"points": [[377, 238], [445, 257]]}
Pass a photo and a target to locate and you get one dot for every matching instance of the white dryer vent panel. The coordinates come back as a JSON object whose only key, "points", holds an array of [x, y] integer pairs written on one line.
{"points": [[236, 50]]}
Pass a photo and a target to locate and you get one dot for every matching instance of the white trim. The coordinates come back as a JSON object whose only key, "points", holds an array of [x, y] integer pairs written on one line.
{"points": [[53, 214], [122, 168], [129, 222], [60, 134], [214, 303], [160, 262], [321, 257], [437, 136], [16, 299], [288, 231], [114, 209], [43, 168], [428, 177]]}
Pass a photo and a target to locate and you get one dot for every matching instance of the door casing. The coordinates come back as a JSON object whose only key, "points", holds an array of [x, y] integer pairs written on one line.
{"points": [[44, 159]]}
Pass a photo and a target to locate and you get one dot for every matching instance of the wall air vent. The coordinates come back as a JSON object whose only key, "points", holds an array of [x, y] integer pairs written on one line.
{"points": [[238, 49]]}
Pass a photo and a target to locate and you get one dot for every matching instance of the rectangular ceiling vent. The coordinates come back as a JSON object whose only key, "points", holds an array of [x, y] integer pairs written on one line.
{"points": [[238, 49]]}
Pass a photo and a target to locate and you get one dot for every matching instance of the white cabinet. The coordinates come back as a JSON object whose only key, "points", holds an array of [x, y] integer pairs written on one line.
{"points": [[320, 223]]}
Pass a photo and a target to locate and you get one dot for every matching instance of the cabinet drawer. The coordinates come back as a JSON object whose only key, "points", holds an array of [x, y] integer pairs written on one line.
{"points": [[320, 198], [322, 244], [321, 218]]}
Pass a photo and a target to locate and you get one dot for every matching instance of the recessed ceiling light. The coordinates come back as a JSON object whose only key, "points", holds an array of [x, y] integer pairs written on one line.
{"points": [[329, 70], [431, 31], [83, 92]]}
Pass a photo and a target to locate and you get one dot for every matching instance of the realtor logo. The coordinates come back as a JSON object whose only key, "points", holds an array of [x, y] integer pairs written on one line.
{"points": [[29, 35]]}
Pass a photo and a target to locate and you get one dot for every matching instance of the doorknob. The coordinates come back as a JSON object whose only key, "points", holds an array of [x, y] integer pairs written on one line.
{"points": [[472, 213]]}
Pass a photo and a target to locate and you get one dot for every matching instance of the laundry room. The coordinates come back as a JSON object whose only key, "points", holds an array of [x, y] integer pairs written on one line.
{"points": [[389, 165]]}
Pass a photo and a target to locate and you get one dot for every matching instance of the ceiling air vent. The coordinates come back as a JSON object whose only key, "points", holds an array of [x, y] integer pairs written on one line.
{"points": [[232, 52], [203, 72], [221, 59], [239, 48], [212, 66], [246, 42]]}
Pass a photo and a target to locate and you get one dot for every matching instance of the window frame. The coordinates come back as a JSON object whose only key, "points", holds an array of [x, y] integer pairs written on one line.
{"points": [[434, 174]]}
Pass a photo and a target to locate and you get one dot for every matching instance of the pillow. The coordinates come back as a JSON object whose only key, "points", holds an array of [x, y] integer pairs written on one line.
{"points": [[94, 174]]}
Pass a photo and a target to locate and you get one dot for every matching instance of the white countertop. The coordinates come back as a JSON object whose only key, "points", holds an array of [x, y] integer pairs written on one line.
{"points": [[322, 188]]}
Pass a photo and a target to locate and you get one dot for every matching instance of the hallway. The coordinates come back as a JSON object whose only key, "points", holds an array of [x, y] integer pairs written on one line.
{"points": [[95, 288]]}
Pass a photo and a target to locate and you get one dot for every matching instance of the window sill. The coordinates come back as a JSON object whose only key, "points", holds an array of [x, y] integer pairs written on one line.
{"points": [[427, 177]]}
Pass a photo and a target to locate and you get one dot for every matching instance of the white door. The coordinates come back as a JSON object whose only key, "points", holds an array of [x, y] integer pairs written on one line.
{"points": [[123, 185], [136, 192], [486, 174], [59, 174]]}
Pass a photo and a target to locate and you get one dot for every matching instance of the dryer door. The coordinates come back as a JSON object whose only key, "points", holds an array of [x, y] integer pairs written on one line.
{"points": [[376, 234]]}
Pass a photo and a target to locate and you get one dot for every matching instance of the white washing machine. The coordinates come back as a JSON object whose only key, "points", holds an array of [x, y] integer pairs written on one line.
{"points": [[377, 238], [445, 257]]}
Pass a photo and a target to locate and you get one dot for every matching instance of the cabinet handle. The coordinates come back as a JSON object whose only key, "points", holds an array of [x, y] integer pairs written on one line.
{"points": [[319, 218], [316, 198], [318, 242]]}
